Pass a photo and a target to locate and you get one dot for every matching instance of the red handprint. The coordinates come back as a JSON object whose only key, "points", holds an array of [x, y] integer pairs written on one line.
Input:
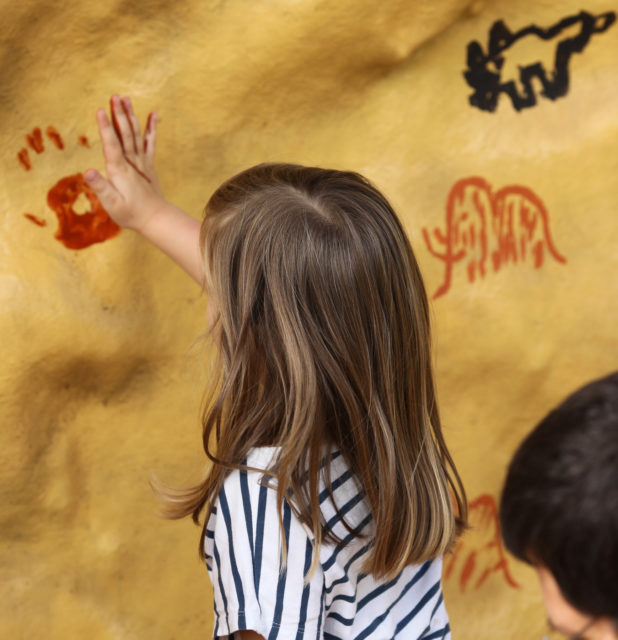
{"points": [[75, 230]]}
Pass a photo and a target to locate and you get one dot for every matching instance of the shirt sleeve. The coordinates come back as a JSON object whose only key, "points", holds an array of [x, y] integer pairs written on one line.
{"points": [[439, 627], [252, 587]]}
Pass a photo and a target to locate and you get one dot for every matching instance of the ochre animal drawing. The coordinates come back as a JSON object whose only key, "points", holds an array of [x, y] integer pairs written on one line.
{"points": [[485, 231]]}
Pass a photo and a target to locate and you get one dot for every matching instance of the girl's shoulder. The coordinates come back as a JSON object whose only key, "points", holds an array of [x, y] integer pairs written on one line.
{"points": [[243, 489], [262, 458], [259, 464], [251, 492]]}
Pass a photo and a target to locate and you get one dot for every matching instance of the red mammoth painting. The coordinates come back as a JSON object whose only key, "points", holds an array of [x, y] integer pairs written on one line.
{"points": [[488, 230], [478, 554]]}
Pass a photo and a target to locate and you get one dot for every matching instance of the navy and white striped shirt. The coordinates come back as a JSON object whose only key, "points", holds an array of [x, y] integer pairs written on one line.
{"points": [[253, 589]]}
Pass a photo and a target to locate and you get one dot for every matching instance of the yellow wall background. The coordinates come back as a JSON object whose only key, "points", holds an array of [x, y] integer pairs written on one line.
{"points": [[102, 368]]}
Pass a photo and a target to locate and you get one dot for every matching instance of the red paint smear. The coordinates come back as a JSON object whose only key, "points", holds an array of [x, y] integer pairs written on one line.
{"points": [[24, 159], [118, 134], [148, 126], [35, 140], [55, 137], [38, 221], [75, 230], [84, 142], [139, 171], [128, 115]]}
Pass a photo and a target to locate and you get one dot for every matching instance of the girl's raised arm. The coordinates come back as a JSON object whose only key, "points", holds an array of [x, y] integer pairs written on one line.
{"points": [[132, 195]]}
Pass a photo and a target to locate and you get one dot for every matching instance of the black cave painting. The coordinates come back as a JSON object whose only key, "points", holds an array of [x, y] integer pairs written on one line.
{"points": [[484, 69]]}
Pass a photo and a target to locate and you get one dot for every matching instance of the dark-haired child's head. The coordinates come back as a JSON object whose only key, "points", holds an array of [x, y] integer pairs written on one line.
{"points": [[559, 510]]}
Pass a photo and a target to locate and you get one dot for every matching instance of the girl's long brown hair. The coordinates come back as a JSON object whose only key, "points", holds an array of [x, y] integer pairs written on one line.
{"points": [[324, 340]]}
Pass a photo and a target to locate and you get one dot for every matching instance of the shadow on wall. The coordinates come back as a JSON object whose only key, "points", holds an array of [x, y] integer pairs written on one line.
{"points": [[48, 396]]}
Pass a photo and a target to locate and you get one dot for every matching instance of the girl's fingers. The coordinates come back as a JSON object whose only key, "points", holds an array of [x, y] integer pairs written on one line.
{"points": [[112, 149], [106, 193], [114, 121], [134, 123], [123, 127], [150, 137]]}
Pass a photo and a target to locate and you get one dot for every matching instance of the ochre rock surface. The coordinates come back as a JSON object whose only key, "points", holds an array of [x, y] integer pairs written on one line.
{"points": [[511, 211]]}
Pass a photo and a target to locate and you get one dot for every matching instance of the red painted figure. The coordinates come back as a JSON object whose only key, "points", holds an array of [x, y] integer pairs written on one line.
{"points": [[489, 230], [479, 553]]}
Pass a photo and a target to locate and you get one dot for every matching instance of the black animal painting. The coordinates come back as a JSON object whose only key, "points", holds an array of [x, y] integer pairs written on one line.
{"points": [[484, 72]]}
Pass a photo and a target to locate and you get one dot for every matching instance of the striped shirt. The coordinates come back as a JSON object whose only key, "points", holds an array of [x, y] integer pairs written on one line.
{"points": [[253, 589]]}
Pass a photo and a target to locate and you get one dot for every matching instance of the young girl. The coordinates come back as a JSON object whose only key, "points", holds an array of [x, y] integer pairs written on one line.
{"points": [[332, 496]]}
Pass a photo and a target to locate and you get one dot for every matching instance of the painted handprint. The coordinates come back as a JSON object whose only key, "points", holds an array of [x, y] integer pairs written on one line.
{"points": [[479, 553], [76, 230]]}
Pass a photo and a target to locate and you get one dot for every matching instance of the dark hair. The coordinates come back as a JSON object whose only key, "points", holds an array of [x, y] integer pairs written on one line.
{"points": [[559, 506]]}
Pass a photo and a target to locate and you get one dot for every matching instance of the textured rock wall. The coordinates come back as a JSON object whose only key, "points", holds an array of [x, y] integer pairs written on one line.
{"points": [[504, 177]]}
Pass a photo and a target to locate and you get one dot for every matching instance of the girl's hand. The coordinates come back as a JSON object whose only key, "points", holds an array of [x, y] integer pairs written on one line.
{"points": [[131, 194]]}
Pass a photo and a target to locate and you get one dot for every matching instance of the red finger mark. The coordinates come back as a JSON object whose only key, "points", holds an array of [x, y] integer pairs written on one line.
{"points": [[139, 171], [84, 142], [35, 140], [126, 105], [24, 159], [75, 230], [38, 221], [130, 121], [55, 137], [115, 122]]}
